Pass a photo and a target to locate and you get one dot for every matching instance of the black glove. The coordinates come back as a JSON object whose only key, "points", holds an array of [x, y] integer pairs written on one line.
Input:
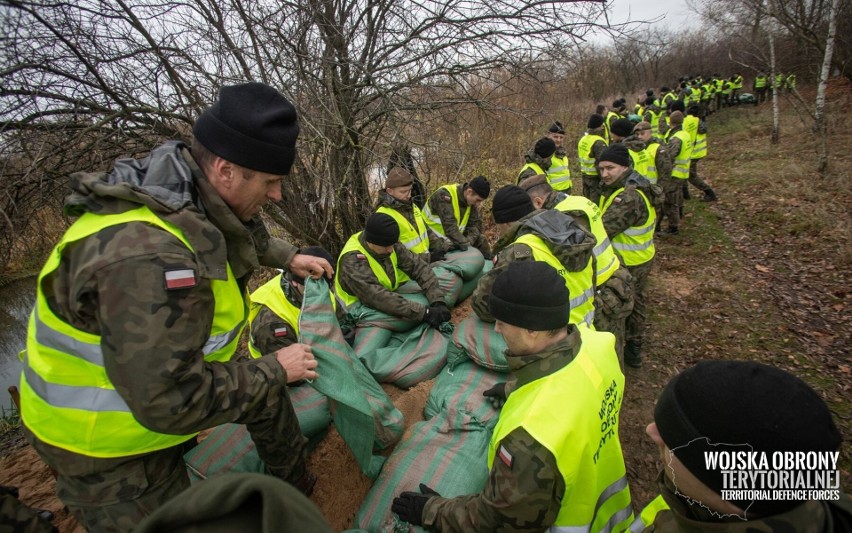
{"points": [[437, 256], [457, 246], [409, 505], [496, 395], [436, 314], [487, 256]]}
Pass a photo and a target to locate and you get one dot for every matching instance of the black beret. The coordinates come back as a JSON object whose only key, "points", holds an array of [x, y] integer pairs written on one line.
{"points": [[381, 229]]}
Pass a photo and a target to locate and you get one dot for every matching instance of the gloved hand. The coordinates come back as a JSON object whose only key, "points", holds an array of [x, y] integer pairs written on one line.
{"points": [[462, 247], [409, 505], [436, 256], [496, 395], [487, 256], [436, 314]]}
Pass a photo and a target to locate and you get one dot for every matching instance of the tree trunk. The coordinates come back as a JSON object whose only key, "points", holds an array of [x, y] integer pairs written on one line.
{"points": [[819, 115], [772, 83]]}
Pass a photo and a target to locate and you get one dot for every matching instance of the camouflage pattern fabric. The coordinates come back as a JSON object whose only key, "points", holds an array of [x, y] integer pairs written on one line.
{"points": [[635, 323], [363, 414], [628, 208], [694, 179], [17, 517], [441, 204], [532, 157], [614, 302], [448, 453], [436, 242]]}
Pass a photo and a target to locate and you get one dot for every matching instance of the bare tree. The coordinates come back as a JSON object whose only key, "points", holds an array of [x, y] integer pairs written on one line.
{"points": [[112, 78]]}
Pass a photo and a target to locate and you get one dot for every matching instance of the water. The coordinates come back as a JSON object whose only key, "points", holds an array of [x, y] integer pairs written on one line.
{"points": [[16, 302]]}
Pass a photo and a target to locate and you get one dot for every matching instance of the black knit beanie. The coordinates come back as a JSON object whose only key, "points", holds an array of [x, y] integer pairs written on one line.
{"points": [[741, 406], [545, 147], [252, 125], [649, 100], [381, 230], [511, 203], [621, 127], [480, 186], [595, 121], [314, 251], [531, 295], [617, 153], [557, 127], [677, 105]]}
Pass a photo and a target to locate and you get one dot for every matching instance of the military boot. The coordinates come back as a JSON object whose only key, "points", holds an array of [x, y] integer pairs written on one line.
{"points": [[709, 196], [633, 353]]}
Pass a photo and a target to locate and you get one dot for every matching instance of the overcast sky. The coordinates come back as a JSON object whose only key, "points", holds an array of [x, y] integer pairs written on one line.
{"points": [[677, 14]]}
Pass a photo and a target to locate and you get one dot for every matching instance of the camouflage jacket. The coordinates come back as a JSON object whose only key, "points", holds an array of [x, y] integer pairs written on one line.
{"points": [[527, 495], [569, 241], [627, 209], [267, 326], [110, 284], [809, 517], [442, 205], [532, 157], [357, 278], [436, 243]]}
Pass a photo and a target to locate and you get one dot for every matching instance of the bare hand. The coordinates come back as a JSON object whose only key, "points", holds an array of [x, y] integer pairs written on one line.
{"points": [[298, 362], [308, 266]]}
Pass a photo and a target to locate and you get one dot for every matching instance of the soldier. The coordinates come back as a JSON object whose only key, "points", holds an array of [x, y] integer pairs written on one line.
{"points": [[554, 463], [549, 236], [141, 305], [759, 85], [372, 266], [453, 213], [414, 234], [629, 218], [622, 132], [559, 173], [679, 147], [589, 148], [538, 160], [738, 407], [275, 309], [659, 169], [613, 283], [699, 152]]}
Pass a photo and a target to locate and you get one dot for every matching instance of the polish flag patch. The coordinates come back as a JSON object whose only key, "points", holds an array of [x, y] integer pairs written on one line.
{"points": [[362, 257], [505, 456], [180, 279], [280, 332]]}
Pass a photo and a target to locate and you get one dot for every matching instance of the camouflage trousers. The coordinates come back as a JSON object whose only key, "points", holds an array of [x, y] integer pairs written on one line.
{"points": [[116, 494], [673, 189], [613, 304], [592, 188], [635, 323], [695, 179]]}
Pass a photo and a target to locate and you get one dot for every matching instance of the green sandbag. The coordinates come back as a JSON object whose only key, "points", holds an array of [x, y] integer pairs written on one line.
{"points": [[450, 284], [467, 264], [470, 285], [448, 453], [364, 415], [361, 315], [461, 387], [407, 358], [477, 340], [229, 448]]}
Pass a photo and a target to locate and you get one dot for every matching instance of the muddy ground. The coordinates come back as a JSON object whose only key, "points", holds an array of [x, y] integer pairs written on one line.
{"points": [[762, 274]]}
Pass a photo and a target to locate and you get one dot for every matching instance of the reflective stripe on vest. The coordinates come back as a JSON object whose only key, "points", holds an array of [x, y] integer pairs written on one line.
{"points": [[434, 221], [67, 399], [559, 173], [649, 514], [680, 169], [581, 289], [354, 245], [640, 161], [699, 149], [651, 150], [605, 258], [535, 168], [584, 153], [414, 238], [635, 245], [583, 441]]}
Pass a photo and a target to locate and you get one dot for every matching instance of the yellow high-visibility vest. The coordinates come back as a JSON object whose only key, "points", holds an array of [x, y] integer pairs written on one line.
{"points": [[635, 245], [651, 151], [584, 153], [680, 169], [354, 245], [559, 173], [415, 238], [607, 261], [434, 221]]}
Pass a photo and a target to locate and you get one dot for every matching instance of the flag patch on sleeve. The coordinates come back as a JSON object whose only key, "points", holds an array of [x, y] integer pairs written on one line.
{"points": [[180, 279], [280, 332], [505, 456]]}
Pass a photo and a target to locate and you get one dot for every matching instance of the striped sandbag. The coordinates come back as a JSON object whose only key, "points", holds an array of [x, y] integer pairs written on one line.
{"points": [[408, 358], [229, 448], [362, 316], [478, 341], [450, 284], [467, 264], [470, 285], [461, 387], [448, 453]]}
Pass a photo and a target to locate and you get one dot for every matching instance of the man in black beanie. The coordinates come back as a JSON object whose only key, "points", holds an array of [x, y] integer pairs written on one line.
{"points": [[374, 264], [629, 217], [751, 411], [452, 212], [148, 290], [538, 159], [551, 237], [589, 148], [555, 458]]}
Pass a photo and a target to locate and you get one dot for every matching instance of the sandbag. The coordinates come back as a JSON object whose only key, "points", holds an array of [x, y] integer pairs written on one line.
{"points": [[405, 359], [229, 448], [470, 285], [363, 414], [360, 315], [476, 339], [467, 264], [461, 387], [448, 453]]}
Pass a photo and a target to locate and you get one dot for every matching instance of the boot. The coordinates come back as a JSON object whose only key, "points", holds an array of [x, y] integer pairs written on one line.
{"points": [[686, 195], [709, 196], [633, 353], [306, 483]]}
